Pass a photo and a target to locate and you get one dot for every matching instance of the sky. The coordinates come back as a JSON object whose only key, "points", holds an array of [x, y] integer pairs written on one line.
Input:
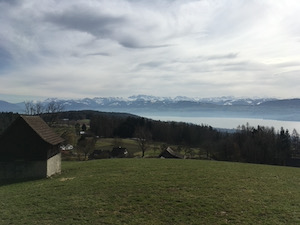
{"points": [[94, 48]]}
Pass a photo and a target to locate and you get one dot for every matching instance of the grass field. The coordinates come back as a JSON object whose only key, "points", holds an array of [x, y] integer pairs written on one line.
{"points": [[131, 145], [153, 150], [156, 191]]}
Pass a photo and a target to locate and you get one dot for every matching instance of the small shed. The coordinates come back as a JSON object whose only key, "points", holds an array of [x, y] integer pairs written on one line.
{"points": [[169, 153], [29, 148]]}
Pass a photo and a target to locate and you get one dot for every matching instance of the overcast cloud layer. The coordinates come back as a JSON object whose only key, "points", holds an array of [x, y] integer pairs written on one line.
{"points": [[93, 48]]}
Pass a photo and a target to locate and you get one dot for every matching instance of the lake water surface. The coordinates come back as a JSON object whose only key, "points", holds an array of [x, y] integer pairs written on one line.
{"points": [[231, 123]]}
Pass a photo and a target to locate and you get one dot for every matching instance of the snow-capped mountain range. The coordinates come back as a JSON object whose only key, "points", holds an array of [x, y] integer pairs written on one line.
{"points": [[228, 106], [147, 100]]}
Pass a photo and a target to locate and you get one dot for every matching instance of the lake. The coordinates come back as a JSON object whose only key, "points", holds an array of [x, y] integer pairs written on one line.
{"points": [[231, 123]]}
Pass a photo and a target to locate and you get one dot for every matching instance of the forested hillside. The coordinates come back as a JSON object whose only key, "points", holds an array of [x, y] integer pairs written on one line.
{"points": [[248, 144]]}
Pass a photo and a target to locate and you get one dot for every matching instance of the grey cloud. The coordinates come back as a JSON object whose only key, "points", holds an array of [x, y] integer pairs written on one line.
{"points": [[10, 2], [287, 64], [99, 25], [85, 20], [129, 43], [217, 57], [134, 44], [125, 29], [151, 64], [242, 66], [227, 56], [5, 58], [98, 53]]}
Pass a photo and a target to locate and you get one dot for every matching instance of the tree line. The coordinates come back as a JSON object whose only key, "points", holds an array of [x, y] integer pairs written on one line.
{"points": [[249, 144], [259, 145], [38, 108]]}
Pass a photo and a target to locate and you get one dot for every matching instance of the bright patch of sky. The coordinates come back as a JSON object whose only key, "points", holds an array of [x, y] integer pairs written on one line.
{"points": [[92, 48]]}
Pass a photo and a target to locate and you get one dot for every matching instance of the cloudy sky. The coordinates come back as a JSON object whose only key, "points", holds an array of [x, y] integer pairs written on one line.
{"points": [[94, 48]]}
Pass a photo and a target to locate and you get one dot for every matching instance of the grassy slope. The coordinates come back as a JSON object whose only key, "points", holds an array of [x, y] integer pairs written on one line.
{"points": [[156, 191], [153, 150], [131, 145]]}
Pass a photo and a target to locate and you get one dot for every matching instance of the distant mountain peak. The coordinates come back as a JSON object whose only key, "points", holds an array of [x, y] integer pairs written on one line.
{"points": [[179, 105]]}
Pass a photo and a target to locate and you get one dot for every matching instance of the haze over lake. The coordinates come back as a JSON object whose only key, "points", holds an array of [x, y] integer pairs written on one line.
{"points": [[231, 123]]}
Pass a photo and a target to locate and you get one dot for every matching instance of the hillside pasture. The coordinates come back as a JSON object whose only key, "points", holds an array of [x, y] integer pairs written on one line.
{"points": [[155, 191], [153, 150], [131, 145]]}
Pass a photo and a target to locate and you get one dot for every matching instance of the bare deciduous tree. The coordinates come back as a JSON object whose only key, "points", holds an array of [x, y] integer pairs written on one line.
{"points": [[85, 146], [32, 108], [54, 107], [28, 107], [39, 108], [143, 138]]}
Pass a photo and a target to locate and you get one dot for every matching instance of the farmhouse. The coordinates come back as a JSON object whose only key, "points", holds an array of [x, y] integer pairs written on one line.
{"points": [[29, 149], [170, 154]]}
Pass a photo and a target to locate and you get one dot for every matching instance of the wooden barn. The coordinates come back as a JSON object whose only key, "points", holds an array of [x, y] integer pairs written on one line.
{"points": [[29, 148], [170, 154]]}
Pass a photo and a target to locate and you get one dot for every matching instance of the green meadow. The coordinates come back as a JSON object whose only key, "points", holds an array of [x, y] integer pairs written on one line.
{"points": [[155, 191]]}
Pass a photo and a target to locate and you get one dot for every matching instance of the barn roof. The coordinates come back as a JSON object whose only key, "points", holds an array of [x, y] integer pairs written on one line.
{"points": [[170, 150], [172, 153], [40, 127]]}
